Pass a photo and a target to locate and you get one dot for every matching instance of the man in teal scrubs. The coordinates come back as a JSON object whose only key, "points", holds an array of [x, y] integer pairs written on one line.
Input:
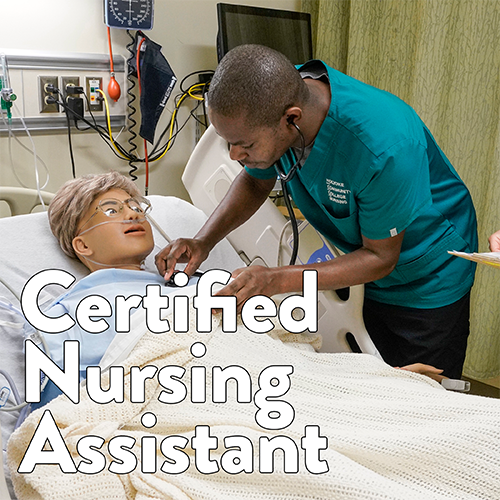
{"points": [[372, 180]]}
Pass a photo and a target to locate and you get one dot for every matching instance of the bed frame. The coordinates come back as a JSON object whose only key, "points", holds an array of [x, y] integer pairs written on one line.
{"points": [[23, 200]]}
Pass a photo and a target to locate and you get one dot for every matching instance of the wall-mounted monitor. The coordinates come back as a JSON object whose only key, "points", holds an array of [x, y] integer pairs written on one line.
{"points": [[288, 32]]}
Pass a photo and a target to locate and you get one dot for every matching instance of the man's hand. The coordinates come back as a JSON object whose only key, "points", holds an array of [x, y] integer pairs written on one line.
{"points": [[250, 281], [494, 241], [182, 250], [373, 261]]}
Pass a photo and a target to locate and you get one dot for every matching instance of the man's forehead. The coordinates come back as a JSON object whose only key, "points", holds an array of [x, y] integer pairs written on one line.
{"points": [[236, 132], [234, 139]]}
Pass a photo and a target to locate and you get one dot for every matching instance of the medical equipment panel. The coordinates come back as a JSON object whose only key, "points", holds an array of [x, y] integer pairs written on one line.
{"points": [[30, 71]]}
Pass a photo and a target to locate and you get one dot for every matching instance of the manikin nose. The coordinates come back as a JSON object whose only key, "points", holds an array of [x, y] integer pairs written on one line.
{"points": [[131, 214]]}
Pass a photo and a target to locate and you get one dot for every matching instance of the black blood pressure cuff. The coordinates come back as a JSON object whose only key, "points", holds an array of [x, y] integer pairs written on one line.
{"points": [[157, 83]]}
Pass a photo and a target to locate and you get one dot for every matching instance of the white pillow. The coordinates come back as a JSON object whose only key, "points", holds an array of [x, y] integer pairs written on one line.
{"points": [[27, 246]]}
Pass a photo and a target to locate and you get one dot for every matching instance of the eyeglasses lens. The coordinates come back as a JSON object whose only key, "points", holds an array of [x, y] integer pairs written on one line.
{"points": [[112, 208]]}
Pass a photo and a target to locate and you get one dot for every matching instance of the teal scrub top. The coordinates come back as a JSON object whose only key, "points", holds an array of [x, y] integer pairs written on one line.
{"points": [[375, 170]]}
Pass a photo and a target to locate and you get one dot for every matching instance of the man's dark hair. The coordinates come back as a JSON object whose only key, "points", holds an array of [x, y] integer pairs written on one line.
{"points": [[258, 82]]}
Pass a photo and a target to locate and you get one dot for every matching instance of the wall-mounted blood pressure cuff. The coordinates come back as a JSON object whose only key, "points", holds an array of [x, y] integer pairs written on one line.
{"points": [[157, 83]]}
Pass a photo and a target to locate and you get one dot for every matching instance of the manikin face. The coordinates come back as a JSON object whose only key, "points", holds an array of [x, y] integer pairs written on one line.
{"points": [[113, 244], [254, 147]]}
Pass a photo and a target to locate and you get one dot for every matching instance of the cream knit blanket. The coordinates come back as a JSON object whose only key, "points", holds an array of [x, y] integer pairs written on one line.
{"points": [[391, 434]]}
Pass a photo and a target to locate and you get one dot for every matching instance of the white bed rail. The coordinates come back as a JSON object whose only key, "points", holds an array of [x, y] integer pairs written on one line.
{"points": [[23, 200]]}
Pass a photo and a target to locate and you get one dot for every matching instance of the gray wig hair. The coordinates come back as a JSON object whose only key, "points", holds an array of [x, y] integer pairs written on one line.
{"points": [[73, 199]]}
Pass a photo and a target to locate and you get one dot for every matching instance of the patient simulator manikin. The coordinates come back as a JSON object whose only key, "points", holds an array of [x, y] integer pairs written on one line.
{"points": [[112, 239]]}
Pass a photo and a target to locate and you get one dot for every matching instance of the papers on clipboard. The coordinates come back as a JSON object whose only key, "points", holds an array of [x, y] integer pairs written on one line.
{"points": [[489, 258]]}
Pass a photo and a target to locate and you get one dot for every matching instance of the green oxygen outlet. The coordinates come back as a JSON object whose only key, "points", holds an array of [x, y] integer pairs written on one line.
{"points": [[7, 98]]}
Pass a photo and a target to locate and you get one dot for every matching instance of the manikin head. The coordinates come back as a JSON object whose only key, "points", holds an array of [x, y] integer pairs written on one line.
{"points": [[99, 220], [255, 95]]}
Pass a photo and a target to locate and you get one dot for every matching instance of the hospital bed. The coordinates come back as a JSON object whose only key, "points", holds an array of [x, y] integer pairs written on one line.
{"points": [[385, 424], [27, 246]]}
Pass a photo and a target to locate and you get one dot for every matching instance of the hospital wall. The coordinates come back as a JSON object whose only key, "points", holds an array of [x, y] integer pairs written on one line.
{"points": [[186, 29]]}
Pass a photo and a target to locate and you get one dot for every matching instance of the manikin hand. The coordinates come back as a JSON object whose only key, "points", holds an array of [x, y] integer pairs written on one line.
{"points": [[429, 371]]}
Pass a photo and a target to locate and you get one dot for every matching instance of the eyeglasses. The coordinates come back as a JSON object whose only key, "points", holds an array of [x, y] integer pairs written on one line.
{"points": [[112, 208]]}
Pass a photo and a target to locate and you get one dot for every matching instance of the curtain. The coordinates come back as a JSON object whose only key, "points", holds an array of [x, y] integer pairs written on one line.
{"points": [[442, 57]]}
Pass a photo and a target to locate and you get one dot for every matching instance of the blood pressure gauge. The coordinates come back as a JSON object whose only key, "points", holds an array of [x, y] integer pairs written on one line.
{"points": [[129, 14]]}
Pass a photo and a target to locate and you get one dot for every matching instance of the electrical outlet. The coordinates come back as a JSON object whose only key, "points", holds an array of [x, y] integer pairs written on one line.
{"points": [[68, 80], [92, 86], [46, 107]]}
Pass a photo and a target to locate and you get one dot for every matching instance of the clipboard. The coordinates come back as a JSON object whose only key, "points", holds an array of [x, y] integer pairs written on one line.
{"points": [[488, 258]]}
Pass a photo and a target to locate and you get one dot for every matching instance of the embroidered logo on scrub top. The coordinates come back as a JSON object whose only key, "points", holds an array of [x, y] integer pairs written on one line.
{"points": [[337, 192]]}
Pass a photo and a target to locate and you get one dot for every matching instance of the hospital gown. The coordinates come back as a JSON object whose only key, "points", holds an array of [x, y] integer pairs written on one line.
{"points": [[106, 283]]}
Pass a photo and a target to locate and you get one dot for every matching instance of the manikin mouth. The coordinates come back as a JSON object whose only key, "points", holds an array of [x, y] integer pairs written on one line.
{"points": [[135, 228]]}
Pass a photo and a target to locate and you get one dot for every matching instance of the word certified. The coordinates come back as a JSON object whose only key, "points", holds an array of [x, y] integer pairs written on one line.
{"points": [[93, 309]]}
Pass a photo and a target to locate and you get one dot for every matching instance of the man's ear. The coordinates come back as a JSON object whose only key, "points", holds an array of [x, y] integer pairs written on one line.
{"points": [[293, 114], [80, 247]]}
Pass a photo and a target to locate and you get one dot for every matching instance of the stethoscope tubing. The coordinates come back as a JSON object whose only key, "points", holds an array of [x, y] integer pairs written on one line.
{"points": [[291, 173]]}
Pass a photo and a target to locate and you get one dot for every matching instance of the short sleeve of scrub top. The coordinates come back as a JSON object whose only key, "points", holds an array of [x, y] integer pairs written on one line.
{"points": [[395, 191]]}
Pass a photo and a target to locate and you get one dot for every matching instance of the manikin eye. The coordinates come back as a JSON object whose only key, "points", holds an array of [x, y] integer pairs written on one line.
{"points": [[110, 208], [138, 206], [110, 212]]}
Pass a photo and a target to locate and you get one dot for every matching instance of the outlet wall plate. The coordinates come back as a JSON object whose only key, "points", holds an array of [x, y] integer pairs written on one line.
{"points": [[25, 67], [44, 107], [68, 80]]}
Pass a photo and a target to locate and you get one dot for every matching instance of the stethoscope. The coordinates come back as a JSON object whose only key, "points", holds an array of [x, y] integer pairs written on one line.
{"points": [[284, 178]]}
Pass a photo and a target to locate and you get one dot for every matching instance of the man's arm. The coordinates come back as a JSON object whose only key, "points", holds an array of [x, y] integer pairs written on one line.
{"points": [[374, 260], [243, 199]]}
